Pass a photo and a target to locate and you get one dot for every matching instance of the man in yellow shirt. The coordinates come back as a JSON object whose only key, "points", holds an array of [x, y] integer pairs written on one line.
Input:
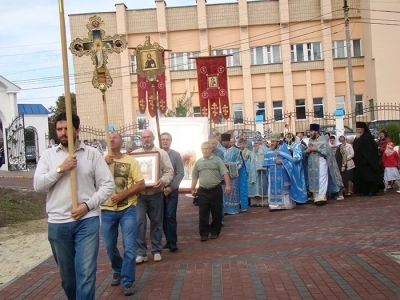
{"points": [[120, 210]]}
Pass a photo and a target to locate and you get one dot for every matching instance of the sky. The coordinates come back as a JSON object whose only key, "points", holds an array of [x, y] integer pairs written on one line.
{"points": [[30, 42]]}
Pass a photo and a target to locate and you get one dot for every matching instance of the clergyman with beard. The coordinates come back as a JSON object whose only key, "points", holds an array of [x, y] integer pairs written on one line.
{"points": [[367, 174], [151, 203], [322, 170], [74, 233]]}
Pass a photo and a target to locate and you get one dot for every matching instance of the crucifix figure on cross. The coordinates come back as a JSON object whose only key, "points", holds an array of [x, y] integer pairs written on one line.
{"points": [[97, 45]]}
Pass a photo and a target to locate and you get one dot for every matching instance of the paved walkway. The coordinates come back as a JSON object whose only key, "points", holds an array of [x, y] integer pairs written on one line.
{"points": [[339, 251]]}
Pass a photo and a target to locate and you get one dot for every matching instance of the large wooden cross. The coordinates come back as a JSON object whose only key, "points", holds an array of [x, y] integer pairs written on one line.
{"points": [[97, 45]]}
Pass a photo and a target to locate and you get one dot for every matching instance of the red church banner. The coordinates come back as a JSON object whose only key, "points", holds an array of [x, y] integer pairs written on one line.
{"points": [[145, 94], [213, 86]]}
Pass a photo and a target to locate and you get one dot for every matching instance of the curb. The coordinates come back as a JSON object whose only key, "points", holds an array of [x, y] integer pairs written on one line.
{"points": [[16, 176]]}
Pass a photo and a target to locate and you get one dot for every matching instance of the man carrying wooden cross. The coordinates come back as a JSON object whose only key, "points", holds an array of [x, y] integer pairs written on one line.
{"points": [[74, 233]]}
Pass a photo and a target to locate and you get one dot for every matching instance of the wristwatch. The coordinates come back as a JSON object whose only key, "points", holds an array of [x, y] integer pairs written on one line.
{"points": [[59, 171]]}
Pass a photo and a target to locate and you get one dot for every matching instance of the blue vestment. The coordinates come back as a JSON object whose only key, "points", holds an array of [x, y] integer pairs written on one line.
{"points": [[243, 181], [279, 177], [335, 182], [232, 201], [298, 191], [258, 180]]}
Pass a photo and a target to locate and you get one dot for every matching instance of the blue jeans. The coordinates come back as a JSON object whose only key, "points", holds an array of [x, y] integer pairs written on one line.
{"points": [[152, 206], [110, 221], [169, 224], [75, 247]]}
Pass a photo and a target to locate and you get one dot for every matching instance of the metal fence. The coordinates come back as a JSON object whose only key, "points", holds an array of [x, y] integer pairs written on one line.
{"points": [[297, 121]]}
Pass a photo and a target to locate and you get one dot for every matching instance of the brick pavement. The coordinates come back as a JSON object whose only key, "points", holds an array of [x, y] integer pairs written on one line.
{"points": [[339, 251]]}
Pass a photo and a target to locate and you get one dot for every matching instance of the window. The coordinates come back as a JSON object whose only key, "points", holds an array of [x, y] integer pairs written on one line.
{"points": [[340, 102], [318, 104], [141, 120], [133, 64], [259, 109], [359, 105], [231, 61], [278, 110], [196, 111], [265, 55], [181, 61], [306, 52], [339, 48], [237, 110], [300, 109]]}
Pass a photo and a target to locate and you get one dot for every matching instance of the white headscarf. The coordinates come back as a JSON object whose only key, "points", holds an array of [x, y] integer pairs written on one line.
{"points": [[336, 144]]}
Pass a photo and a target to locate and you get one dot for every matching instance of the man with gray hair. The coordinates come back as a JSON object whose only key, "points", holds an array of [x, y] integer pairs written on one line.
{"points": [[171, 193], [151, 203]]}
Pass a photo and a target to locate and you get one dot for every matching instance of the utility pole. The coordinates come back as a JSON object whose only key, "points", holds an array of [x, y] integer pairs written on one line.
{"points": [[350, 64]]}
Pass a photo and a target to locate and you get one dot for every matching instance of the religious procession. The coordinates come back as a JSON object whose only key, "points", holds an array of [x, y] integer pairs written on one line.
{"points": [[104, 193]]}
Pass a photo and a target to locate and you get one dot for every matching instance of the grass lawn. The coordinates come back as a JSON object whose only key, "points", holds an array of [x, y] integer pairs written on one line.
{"points": [[20, 205]]}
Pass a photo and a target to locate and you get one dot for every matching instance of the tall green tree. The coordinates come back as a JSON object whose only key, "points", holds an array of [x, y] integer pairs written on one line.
{"points": [[183, 107], [59, 107]]}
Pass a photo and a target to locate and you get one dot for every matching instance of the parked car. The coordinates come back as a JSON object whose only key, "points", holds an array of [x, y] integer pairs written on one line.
{"points": [[348, 132], [377, 125], [30, 153]]}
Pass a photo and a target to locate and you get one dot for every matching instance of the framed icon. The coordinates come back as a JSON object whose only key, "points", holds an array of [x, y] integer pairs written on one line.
{"points": [[150, 60], [212, 81], [149, 164]]}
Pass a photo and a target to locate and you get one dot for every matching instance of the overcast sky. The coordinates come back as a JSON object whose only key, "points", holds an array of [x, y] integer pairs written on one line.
{"points": [[30, 54]]}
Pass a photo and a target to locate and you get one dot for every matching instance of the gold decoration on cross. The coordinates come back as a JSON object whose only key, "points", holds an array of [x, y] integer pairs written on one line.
{"points": [[151, 102], [204, 111], [162, 104], [98, 45], [214, 109]]}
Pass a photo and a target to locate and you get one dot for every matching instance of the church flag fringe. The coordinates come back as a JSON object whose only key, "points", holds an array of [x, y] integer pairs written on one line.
{"points": [[213, 86]]}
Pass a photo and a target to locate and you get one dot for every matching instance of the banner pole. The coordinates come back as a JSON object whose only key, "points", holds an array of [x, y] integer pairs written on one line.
{"points": [[209, 103]]}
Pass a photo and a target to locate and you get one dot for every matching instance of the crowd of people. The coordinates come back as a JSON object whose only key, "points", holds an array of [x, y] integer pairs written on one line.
{"points": [[277, 173], [282, 170]]}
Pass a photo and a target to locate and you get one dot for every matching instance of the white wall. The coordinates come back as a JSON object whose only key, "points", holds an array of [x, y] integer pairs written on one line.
{"points": [[40, 123]]}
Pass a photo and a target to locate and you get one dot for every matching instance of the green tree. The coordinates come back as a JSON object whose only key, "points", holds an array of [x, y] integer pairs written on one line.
{"points": [[183, 107], [393, 130], [59, 107]]}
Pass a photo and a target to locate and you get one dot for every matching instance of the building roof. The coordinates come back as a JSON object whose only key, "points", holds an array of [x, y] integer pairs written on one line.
{"points": [[32, 109], [8, 85]]}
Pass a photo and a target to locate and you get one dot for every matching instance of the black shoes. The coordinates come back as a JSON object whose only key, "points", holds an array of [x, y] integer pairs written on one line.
{"points": [[116, 279], [214, 236], [173, 247], [128, 290], [204, 238]]}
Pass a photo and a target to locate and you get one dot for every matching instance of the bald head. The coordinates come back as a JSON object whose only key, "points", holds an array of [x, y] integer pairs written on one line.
{"points": [[147, 139]]}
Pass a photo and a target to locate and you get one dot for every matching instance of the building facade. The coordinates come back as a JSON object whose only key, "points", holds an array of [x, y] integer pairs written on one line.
{"points": [[286, 56]]}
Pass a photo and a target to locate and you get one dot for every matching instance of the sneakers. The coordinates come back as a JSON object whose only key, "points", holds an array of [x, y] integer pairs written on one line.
{"points": [[116, 279], [157, 257], [340, 198], [128, 290], [141, 259]]}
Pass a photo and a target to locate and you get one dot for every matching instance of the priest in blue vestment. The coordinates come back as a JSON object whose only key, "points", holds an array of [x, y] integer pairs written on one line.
{"points": [[323, 174], [233, 162], [285, 186], [258, 181]]}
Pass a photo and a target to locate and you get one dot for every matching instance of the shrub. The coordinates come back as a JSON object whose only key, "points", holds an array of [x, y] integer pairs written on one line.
{"points": [[393, 130]]}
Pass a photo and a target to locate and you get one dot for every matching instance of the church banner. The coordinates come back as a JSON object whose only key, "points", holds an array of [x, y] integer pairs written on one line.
{"points": [[145, 93], [213, 86]]}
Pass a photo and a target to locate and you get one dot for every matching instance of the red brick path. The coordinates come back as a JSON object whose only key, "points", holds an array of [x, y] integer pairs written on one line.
{"points": [[339, 251]]}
